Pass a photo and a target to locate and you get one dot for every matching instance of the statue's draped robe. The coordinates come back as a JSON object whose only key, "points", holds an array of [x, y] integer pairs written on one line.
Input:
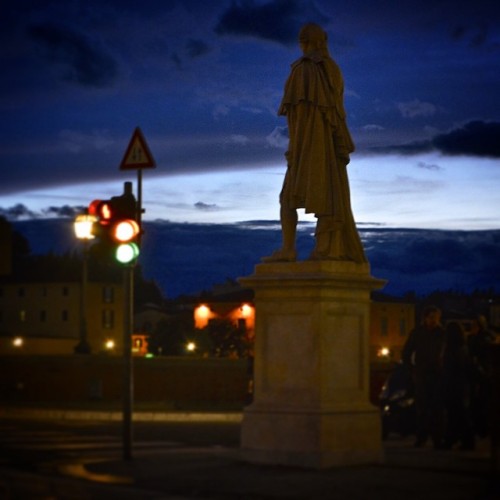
{"points": [[318, 152]]}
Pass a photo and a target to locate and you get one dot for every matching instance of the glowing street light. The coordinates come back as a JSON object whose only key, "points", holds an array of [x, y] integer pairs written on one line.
{"points": [[83, 227], [109, 344], [18, 342]]}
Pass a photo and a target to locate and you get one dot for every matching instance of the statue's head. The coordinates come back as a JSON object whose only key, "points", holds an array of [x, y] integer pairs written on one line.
{"points": [[312, 38]]}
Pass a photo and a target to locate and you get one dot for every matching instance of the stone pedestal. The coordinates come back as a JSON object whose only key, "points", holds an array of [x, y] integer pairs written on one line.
{"points": [[311, 376]]}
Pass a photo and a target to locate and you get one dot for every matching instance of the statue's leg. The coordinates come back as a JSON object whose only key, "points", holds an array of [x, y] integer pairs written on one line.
{"points": [[288, 251], [289, 221]]}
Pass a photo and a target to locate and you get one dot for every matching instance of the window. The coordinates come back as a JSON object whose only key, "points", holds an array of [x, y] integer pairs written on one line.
{"points": [[108, 294], [22, 316], [402, 327], [384, 327], [43, 316], [65, 315], [108, 319]]}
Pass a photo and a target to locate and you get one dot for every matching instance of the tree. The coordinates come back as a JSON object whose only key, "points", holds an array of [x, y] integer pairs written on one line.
{"points": [[228, 340]]}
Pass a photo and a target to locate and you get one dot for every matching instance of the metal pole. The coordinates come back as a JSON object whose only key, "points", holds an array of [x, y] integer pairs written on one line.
{"points": [[139, 196], [83, 346], [128, 375]]}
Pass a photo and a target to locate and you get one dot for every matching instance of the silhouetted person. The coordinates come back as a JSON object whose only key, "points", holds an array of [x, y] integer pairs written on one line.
{"points": [[479, 342], [457, 375], [318, 154], [422, 354]]}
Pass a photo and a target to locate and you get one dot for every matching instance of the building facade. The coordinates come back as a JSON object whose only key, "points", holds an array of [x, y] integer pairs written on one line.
{"points": [[390, 324], [46, 318]]}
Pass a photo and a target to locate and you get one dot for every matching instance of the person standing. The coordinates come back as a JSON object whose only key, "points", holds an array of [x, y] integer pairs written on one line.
{"points": [[479, 344], [318, 154], [423, 355], [457, 370]]}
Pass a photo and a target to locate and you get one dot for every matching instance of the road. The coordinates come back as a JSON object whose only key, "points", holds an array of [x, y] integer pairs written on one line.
{"points": [[41, 460]]}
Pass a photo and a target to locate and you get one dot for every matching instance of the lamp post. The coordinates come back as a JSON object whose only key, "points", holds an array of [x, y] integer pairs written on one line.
{"points": [[83, 231]]}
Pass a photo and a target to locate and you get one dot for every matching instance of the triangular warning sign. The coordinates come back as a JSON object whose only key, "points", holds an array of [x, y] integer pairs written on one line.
{"points": [[138, 154]]}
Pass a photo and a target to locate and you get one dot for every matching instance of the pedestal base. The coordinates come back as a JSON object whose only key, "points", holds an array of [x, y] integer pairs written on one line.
{"points": [[311, 372], [312, 440]]}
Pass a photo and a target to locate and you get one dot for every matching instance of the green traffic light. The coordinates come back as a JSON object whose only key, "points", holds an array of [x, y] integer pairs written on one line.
{"points": [[127, 253]]}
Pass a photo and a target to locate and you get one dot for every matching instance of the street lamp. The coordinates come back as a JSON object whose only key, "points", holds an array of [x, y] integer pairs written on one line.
{"points": [[83, 231]]}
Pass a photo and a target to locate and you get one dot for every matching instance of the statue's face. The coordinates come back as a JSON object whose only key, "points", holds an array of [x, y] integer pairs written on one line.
{"points": [[305, 44]]}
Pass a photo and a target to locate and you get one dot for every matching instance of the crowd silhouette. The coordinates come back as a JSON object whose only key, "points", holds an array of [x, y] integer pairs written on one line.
{"points": [[451, 374]]}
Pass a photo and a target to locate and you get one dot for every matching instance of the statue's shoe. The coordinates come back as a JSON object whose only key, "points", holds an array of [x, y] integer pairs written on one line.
{"points": [[281, 256]]}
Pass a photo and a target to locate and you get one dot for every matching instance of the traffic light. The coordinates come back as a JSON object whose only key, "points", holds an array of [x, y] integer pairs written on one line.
{"points": [[117, 228]]}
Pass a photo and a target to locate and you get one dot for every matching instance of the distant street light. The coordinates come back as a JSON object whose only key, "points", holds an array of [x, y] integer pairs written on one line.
{"points": [[83, 230]]}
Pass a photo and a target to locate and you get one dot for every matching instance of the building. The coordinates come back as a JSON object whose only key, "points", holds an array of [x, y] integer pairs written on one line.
{"points": [[44, 318], [391, 321]]}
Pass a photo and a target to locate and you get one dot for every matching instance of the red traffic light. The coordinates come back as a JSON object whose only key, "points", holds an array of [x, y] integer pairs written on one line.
{"points": [[101, 209]]}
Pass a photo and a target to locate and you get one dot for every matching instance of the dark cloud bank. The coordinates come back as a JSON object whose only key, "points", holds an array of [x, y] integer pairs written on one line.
{"points": [[189, 258], [475, 138]]}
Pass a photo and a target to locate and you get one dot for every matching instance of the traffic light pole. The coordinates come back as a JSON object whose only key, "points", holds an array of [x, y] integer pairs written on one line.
{"points": [[128, 367]]}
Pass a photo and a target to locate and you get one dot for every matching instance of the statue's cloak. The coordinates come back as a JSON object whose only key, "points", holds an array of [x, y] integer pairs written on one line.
{"points": [[320, 142]]}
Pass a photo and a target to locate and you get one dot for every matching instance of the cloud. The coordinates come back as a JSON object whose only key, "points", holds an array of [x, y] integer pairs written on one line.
{"points": [[18, 211], [205, 206], [22, 212], [76, 142], [239, 139], [278, 20], [189, 258], [428, 166], [475, 35], [196, 48], [83, 61], [475, 138], [65, 211], [372, 127], [278, 138], [416, 108]]}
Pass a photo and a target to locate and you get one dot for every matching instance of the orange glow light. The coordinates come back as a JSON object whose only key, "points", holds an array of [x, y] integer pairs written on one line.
{"points": [[246, 310], [201, 316]]}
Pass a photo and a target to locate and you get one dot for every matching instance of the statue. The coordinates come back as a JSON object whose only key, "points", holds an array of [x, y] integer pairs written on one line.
{"points": [[317, 156]]}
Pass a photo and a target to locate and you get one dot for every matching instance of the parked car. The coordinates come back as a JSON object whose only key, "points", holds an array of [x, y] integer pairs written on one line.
{"points": [[397, 403]]}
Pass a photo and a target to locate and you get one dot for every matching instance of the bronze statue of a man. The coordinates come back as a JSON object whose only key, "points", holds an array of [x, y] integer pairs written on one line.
{"points": [[317, 156]]}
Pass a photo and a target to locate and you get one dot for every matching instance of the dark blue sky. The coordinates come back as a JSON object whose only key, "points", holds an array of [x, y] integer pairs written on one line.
{"points": [[204, 80]]}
